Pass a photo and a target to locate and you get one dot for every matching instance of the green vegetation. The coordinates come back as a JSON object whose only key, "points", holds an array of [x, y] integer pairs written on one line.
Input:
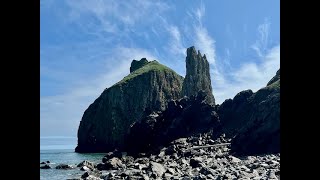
{"points": [[150, 66], [275, 85]]}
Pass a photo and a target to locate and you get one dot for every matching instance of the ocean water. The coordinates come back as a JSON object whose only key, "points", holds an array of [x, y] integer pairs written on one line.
{"points": [[61, 150]]}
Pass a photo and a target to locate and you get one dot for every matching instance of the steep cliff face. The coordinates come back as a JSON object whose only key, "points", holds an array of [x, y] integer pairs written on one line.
{"points": [[254, 119], [197, 75], [148, 87]]}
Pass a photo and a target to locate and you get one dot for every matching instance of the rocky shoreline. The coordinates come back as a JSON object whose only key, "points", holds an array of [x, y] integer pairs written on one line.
{"points": [[195, 157]]}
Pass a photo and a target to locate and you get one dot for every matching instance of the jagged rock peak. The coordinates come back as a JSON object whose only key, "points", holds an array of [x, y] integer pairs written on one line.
{"points": [[135, 64], [197, 76]]}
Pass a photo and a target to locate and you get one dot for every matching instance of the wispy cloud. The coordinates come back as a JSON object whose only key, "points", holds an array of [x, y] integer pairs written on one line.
{"points": [[250, 76], [206, 44], [112, 15], [67, 108], [176, 47], [260, 46]]}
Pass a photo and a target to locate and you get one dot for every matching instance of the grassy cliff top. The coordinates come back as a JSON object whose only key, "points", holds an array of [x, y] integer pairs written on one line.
{"points": [[150, 66], [275, 85]]}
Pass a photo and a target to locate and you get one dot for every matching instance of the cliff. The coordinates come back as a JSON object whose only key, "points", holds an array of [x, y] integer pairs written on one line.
{"points": [[149, 86]]}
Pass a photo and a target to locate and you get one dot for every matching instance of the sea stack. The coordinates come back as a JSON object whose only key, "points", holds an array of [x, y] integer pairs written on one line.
{"points": [[197, 75], [148, 87]]}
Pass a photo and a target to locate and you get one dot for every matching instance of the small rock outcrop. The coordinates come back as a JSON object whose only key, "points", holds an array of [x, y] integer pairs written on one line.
{"points": [[197, 75], [46, 166], [148, 87], [138, 64], [275, 78]]}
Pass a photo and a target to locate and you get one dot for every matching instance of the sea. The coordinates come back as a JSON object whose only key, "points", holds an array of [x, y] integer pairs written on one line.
{"points": [[60, 150]]}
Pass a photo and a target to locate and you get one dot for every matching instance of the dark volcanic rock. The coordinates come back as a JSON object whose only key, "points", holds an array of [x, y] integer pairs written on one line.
{"points": [[46, 166], [275, 78], [63, 166], [113, 163], [235, 113], [88, 164], [138, 64], [110, 155], [106, 121], [182, 118], [91, 173], [196, 162], [197, 75], [254, 118]]}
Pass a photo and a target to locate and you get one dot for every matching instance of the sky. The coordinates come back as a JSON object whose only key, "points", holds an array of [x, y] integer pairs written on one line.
{"points": [[88, 45]]}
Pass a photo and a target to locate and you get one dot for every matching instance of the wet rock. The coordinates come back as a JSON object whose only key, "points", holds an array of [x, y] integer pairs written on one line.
{"points": [[101, 166], [46, 166], [94, 173], [85, 168], [88, 164], [64, 166]]}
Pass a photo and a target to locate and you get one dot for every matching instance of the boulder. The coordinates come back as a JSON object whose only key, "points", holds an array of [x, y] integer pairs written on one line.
{"points": [[64, 166], [46, 166], [88, 164]]}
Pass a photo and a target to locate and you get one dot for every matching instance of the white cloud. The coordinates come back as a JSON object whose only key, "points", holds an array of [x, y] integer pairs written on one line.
{"points": [[253, 74], [206, 43], [250, 76], [175, 43], [114, 15], [260, 46], [67, 108]]}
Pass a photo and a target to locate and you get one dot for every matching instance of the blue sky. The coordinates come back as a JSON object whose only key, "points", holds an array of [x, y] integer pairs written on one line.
{"points": [[88, 45]]}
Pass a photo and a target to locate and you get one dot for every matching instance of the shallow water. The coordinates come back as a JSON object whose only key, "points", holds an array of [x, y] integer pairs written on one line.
{"points": [[61, 150]]}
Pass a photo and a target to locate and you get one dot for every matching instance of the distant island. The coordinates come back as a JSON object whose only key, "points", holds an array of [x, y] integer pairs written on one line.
{"points": [[156, 124]]}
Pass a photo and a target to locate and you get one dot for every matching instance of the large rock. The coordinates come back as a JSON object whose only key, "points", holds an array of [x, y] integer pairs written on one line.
{"points": [[46, 166], [254, 119], [64, 166], [148, 87], [197, 75], [87, 164], [113, 163], [182, 118]]}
